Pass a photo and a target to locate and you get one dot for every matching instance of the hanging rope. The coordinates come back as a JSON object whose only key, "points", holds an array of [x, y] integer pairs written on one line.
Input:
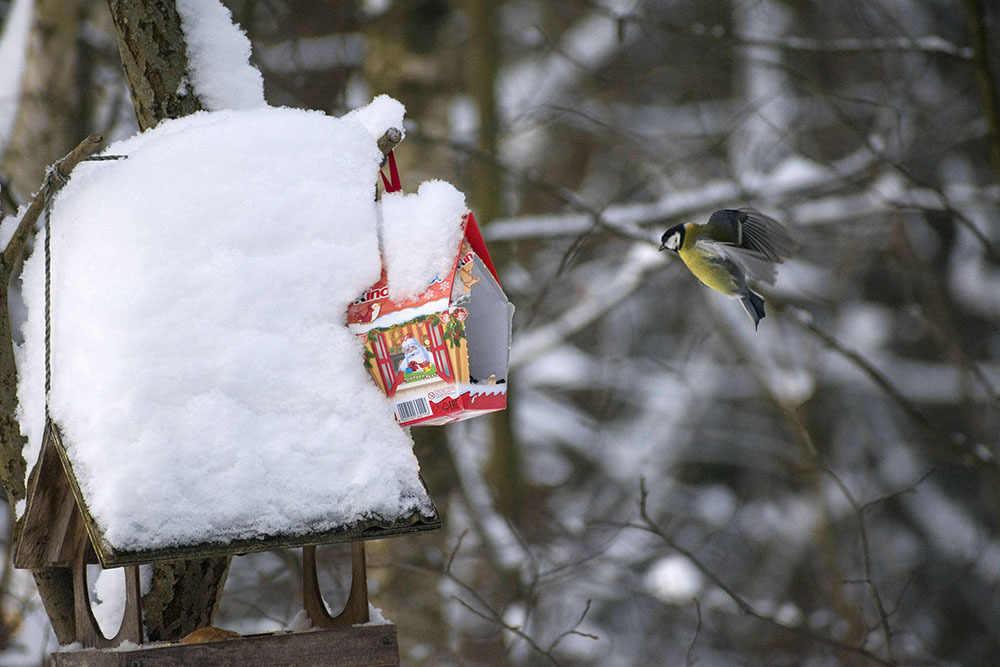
{"points": [[48, 307], [55, 178]]}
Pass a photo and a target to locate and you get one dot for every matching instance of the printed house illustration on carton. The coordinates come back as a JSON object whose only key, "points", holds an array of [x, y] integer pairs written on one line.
{"points": [[441, 356]]}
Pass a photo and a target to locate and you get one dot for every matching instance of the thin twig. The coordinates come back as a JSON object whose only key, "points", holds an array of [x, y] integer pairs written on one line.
{"points": [[929, 44], [869, 580], [55, 178], [953, 446], [690, 658], [650, 526], [573, 630], [487, 612], [568, 197], [513, 629]]}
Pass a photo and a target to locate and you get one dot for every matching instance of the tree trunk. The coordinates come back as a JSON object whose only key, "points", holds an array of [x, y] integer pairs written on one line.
{"points": [[48, 119], [979, 36], [154, 58], [46, 128], [504, 471], [12, 463]]}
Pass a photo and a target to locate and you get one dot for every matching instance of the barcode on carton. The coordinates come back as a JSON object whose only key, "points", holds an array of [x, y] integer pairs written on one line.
{"points": [[407, 410]]}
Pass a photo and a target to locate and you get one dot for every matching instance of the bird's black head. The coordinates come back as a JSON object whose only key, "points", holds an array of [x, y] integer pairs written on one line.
{"points": [[672, 238]]}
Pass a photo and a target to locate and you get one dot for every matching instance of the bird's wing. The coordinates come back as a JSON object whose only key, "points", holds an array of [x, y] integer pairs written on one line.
{"points": [[754, 265], [764, 235]]}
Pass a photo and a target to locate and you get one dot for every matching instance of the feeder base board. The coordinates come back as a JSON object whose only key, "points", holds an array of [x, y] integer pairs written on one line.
{"points": [[361, 645]]}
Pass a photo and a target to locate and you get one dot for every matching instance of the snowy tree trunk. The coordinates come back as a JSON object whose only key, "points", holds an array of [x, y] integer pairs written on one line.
{"points": [[154, 58]]}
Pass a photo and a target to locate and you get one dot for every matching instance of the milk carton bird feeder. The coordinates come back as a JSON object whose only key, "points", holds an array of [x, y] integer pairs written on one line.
{"points": [[206, 397], [439, 354]]}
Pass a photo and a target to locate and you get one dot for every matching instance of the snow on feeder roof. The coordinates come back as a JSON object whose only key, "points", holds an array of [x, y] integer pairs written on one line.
{"points": [[208, 393]]}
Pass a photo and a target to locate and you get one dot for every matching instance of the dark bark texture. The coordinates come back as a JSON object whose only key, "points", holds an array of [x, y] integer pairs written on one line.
{"points": [[154, 58]]}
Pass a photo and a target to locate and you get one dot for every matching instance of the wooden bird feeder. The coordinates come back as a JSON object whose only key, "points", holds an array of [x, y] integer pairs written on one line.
{"points": [[59, 530]]}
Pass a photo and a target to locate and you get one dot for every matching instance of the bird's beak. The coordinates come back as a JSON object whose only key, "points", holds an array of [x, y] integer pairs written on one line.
{"points": [[663, 246]]}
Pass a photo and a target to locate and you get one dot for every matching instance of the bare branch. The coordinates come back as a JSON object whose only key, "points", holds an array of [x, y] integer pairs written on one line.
{"points": [[929, 44], [389, 140], [56, 177], [866, 558], [573, 630], [949, 446], [591, 216], [985, 77], [599, 301], [690, 659], [650, 526]]}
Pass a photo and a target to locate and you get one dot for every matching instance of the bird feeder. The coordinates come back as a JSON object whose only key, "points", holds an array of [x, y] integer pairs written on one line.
{"points": [[65, 522], [442, 355], [58, 531]]}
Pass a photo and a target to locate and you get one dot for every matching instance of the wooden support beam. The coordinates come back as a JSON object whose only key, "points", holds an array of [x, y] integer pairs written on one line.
{"points": [[355, 609]]}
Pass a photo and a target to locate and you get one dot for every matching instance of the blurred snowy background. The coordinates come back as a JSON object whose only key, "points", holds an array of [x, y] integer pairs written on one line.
{"points": [[669, 486]]}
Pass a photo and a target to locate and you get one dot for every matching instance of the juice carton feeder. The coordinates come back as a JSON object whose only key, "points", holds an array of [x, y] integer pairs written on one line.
{"points": [[441, 356]]}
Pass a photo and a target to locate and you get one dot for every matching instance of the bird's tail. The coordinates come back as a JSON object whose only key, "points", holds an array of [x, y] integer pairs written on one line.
{"points": [[753, 303]]}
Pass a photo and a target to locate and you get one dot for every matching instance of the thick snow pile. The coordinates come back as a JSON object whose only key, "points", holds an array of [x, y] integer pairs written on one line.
{"points": [[218, 54], [384, 112], [204, 381], [420, 233]]}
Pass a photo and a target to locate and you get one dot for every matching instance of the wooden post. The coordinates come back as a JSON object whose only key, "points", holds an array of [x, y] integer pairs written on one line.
{"points": [[88, 632], [355, 609]]}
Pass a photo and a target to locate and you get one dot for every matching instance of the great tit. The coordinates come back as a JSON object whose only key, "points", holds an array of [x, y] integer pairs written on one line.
{"points": [[732, 247]]}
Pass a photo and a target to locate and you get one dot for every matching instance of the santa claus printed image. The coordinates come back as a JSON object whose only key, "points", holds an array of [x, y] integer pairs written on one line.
{"points": [[416, 358]]}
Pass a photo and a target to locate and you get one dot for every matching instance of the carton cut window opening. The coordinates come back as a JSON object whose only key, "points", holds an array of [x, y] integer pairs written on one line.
{"points": [[489, 331]]}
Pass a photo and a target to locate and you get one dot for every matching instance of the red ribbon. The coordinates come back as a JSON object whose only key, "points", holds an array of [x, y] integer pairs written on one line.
{"points": [[392, 183]]}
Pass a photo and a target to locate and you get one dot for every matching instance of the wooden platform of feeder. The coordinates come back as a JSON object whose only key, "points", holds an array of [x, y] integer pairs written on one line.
{"points": [[361, 645]]}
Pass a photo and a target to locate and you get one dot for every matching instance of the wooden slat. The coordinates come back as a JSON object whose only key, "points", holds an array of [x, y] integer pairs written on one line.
{"points": [[93, 531], [52, 526], [359, 646], [405, 526]]}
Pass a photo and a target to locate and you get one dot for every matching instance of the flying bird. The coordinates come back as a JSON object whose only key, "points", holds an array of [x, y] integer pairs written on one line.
{"points": [[734, 246]]}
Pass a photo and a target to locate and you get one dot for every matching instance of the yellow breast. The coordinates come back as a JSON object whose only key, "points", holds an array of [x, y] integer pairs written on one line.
{"points": [[711, 269]]}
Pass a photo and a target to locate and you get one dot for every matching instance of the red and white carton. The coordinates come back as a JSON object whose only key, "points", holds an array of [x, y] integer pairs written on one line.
{"points": [[441, 356]]}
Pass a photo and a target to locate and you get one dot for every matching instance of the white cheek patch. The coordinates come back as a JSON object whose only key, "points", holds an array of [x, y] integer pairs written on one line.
{"points": [[674, 241]]}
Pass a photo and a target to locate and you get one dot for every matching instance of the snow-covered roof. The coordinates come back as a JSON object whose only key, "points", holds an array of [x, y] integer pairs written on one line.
{"points": [[204, 383]]}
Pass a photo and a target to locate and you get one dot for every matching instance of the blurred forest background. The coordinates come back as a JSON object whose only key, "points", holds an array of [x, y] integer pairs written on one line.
{"points": [[669, 486]]}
